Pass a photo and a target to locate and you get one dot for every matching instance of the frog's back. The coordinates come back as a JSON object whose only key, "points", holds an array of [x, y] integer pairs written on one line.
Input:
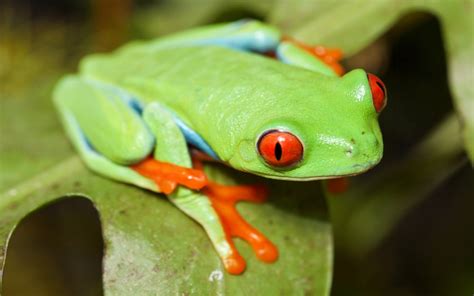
{"points": [[213, 89], [195, 78]]}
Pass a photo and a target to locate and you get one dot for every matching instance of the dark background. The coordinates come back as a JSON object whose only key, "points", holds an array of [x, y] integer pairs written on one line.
{"points": [[430, 251]]}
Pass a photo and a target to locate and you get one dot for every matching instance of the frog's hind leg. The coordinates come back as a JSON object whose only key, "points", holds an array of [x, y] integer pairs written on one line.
{"points": [[109, 133], [255, 36], [76, 102], [247, 34], [80, 101]]}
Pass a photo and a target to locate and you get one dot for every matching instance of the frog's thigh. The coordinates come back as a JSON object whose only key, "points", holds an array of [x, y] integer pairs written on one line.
{"points": [[67, 93], [249, 35], [107, 119]]}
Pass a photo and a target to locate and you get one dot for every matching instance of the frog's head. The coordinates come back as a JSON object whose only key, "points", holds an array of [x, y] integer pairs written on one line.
{"points": [[332, 131]]}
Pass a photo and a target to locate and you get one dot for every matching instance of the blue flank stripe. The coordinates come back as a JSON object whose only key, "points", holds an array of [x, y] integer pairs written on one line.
{"points": [[194, 138], [281, 57], [190, 135]]}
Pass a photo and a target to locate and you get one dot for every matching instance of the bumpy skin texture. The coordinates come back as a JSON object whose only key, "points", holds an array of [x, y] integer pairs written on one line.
{"points": [[131, 115], [246, 94]]}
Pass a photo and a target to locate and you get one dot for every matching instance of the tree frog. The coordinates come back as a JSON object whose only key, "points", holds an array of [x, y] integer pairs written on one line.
{"points": [[239, 93]]}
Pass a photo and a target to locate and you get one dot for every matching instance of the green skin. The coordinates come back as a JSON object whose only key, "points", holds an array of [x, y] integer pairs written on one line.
{"points": [[229, 97]]}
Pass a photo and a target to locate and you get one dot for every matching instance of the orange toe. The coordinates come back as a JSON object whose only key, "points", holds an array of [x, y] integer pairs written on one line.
{"points": [[266, 251], [224, 199], [235, 264], [338, 185], [168, 175]]}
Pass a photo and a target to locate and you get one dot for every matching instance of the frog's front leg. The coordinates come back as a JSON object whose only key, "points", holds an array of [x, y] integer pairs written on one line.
{"points": [[172, 148], [221, 198], [224, 199]]}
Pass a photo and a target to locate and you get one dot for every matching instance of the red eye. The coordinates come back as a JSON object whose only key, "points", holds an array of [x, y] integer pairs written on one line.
{"points": [[379, 94], [280, 149]]}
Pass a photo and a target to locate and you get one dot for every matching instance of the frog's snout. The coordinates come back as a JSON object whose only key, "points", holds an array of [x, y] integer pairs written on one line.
{"points": [[366, 145], [353, 154], [366, 152]]}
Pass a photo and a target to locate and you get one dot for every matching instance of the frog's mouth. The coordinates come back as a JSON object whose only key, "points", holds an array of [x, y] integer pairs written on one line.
{"points": [[353, 170]]}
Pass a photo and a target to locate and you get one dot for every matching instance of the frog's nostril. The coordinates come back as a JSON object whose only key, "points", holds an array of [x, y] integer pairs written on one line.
{"points": [[371, 142], [348, 152]]}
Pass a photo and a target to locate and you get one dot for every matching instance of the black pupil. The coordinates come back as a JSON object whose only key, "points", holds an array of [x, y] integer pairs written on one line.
{"points": [[381, 87], [278, 151]]}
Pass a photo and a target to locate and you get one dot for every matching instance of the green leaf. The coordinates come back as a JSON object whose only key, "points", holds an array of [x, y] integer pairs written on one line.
{"points": [[145, 254], [152, 247], [172, 16]]}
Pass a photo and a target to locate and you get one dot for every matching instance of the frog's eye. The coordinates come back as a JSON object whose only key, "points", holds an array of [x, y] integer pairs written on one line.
{"points": [[280, 148], [379, 93]]}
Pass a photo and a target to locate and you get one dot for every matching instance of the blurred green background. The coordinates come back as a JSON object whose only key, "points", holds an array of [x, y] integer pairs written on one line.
{"points": [[404, 228]]}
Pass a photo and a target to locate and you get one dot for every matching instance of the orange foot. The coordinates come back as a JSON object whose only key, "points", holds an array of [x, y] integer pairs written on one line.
{"points": [[167, 175], [224, 199], [330, 57], [338, 185]]}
